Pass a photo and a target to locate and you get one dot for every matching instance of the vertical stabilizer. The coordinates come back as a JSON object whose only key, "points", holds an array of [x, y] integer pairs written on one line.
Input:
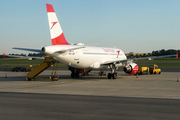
{"points": [[57, 36], [4, 55]]}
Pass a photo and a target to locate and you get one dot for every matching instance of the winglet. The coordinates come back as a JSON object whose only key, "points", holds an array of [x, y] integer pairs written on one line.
{"points": [[176, 54], [57, 35], [4, 55]]}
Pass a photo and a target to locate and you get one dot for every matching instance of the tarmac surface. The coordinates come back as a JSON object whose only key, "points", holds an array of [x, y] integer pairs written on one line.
{"points": [[164, 85], [18, 106], [90, 97]]}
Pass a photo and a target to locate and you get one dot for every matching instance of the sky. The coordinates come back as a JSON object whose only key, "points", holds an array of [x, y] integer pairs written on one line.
{"points": [[138, 26]]}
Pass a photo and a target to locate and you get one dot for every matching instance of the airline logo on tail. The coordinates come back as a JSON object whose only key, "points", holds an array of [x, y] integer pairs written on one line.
{"points": [[53, 23], [57, 36]]}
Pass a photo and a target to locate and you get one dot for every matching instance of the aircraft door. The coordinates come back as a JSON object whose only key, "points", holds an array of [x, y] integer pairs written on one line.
{"points": [[77, 54]]}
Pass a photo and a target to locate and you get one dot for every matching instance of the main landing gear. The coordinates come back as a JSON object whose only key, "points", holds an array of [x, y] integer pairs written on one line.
{"points": [[113, 73], [75, 72], [74, 75]]}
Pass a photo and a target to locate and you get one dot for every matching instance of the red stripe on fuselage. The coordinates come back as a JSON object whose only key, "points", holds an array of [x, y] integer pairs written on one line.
{"points": [[60, 40], [49, 8]]}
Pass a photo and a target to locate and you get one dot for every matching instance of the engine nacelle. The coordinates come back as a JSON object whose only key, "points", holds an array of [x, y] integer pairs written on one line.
{"points": [[131, 69]]}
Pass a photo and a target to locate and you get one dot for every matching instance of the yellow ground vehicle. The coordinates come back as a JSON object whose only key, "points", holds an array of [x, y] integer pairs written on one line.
{"points": [[153, 69], [143, 70]]}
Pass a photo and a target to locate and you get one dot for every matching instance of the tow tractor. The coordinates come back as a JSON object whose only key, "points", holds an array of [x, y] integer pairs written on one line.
{"points": [[152, 69]]}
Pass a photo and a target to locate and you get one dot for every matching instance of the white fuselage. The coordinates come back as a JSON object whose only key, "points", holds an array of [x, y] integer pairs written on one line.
{"points": [[88, 57]]}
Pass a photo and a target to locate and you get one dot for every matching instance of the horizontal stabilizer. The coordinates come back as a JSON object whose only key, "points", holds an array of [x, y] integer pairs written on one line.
{"points": [[29, 49], [29, 57]]}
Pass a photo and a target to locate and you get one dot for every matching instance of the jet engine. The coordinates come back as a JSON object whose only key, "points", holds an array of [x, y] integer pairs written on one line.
{"points": [[131, 69]]}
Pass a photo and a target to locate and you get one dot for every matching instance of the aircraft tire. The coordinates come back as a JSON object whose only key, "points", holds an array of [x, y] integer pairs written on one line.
{"points": [[72, 75], [28, 79], [114, 75], [109, 75], [77, 75]]}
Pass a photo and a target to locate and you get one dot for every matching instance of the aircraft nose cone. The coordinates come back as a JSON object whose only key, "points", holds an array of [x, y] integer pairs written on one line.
{"points": [[43, 49]]}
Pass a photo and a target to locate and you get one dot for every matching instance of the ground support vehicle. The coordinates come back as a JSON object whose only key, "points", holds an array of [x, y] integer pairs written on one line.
{"points": [[153, 69], [143, 71]]}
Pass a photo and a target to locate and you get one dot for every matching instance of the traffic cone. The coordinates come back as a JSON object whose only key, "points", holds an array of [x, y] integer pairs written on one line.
{"points": [[5, 75], [178, 79], [137, 76]]}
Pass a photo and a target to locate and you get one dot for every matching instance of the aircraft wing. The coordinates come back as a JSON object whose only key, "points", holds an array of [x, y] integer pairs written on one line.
{"points": [[26, 49], [135, 59], [29, 57], [29, 49]]}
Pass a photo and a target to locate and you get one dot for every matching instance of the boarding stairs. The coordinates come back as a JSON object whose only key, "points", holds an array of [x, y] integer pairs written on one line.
{"points": [[40, 68]]}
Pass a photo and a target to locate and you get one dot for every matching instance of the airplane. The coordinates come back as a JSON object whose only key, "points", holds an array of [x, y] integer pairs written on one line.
{"points": [[79, 57]]}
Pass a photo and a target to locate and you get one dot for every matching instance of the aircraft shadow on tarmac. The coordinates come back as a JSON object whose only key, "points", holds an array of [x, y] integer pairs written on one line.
{"points": [[61, 77]]}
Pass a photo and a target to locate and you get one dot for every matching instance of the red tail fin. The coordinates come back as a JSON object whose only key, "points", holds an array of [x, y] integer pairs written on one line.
{"points": [[176, 54], [57, 36], [4, 55]]}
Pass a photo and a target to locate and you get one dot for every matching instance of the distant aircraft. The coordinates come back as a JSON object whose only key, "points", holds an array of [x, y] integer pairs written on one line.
{"points": [[79, 57]]}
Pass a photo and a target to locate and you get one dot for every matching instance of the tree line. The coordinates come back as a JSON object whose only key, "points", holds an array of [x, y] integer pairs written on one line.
{"points": [[153, 53]]}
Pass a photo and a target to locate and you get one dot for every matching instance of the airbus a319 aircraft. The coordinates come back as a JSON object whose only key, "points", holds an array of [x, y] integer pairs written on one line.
{"points": [[79, 57]]}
